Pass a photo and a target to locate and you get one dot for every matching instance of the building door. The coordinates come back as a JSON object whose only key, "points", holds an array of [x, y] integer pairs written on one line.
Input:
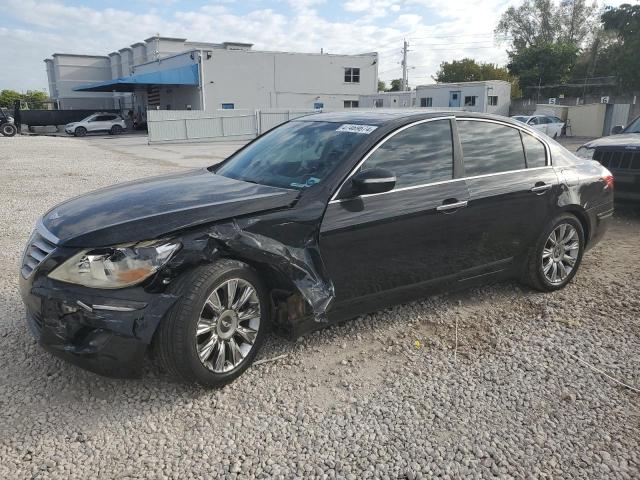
{"points": [[454, 99]]}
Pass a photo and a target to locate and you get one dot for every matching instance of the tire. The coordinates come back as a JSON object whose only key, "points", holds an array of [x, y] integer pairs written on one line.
{"points": [[555, 135], [540, 267], [177, 345], [80, 132], [115, 130], [8, 129]]}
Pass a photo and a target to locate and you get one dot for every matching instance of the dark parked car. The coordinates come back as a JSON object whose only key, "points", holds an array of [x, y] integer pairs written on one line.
{"points": [[319, 220], [620, 153]]}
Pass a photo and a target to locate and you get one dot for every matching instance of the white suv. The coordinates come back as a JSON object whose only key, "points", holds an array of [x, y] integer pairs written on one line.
{"points": [[97, 122]]}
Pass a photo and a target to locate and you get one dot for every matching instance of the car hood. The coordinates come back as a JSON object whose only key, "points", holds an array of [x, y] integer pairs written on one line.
{"points": [[621, 140], [153, 207]]}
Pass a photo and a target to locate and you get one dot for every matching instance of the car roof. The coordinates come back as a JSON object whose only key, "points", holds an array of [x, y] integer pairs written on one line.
{"points": [[381, 117]]}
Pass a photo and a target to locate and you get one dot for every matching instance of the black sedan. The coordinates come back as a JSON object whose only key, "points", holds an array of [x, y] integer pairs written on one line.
{"points": [[319, 220], [620, 153]]}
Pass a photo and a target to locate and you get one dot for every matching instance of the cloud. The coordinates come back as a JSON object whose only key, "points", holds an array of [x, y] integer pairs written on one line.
{"points": [[437, 30]]}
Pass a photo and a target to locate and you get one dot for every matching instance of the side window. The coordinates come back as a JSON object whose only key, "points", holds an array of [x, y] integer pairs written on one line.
{"points": [[490, 147], [534, 150], [533, 121], [418, 155], [101, 118]]}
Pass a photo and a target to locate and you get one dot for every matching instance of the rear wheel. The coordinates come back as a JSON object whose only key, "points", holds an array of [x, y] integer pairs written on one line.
{"points": [[80, 132], [116, 130], [8, 129], [215, 330], [557, 254]]}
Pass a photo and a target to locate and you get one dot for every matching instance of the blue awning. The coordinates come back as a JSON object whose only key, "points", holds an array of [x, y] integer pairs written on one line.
{"points": [[187, 75]]}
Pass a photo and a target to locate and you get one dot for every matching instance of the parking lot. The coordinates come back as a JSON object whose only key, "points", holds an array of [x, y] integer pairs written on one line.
{"points": [[498, 381]]}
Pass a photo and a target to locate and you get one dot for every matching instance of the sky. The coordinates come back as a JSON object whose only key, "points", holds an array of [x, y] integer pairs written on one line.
{"points": [[437, 30]]}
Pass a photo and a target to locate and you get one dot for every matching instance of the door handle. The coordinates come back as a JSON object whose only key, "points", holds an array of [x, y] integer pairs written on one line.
{"points": [[541, 188], [451, 206]]}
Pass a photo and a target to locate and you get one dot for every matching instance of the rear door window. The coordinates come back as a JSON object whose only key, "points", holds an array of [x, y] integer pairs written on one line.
{"points": [[418, 155], [489, 147], [534, 150]]}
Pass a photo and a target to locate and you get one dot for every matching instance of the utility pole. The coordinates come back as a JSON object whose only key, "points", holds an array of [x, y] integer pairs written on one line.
{"points": [[405, 77]]}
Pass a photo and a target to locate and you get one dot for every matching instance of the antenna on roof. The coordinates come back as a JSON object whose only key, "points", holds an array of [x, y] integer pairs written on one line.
{"points": [[156, 52]]}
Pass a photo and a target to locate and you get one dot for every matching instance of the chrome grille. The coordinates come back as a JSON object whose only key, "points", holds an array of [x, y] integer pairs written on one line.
{"points": [[618, 159], [38, 248]]}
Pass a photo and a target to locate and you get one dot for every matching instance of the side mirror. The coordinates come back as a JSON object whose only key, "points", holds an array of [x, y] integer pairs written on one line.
{"points": [[617, 129], [373, 180]]}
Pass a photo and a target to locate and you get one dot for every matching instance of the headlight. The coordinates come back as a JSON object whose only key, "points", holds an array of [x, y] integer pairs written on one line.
{"points": [[115, 267], [584, 152]]}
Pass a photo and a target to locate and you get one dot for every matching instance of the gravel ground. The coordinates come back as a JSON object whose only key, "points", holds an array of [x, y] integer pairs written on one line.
{"points": [[388, 395]]}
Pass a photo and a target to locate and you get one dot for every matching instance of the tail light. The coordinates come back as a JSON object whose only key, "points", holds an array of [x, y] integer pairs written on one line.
{"points": [[608, 181]]}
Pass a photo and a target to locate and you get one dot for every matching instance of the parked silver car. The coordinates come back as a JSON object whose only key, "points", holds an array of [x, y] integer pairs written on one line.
{"points": [[97, 122]]}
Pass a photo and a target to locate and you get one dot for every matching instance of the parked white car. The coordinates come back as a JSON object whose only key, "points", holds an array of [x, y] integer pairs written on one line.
{"points": [[548, 124], [97, 122]]}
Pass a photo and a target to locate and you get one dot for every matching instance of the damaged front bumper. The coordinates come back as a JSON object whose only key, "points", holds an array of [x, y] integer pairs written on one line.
{"points": [[105, 335]]}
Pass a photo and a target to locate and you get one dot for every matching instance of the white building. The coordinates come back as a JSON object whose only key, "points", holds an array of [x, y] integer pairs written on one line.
{"points": [[172, 73], [489, 96], [389, 100]]}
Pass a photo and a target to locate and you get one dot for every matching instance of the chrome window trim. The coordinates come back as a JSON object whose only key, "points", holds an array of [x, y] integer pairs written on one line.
{"points": [[413, 187], [450, 117], [378, 145]]}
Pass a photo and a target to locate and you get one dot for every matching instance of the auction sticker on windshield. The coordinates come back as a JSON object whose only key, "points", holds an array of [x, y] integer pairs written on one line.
{"points": [[351, 128]]}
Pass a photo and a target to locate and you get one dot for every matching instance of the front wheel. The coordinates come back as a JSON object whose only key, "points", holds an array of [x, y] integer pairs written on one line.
{"points": [[80, 132], [213, 333], [555, 259], [9, 129]]}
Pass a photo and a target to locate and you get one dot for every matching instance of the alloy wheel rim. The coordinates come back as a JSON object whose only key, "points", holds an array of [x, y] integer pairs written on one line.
{"points": [[228, 325], [560, 253]]}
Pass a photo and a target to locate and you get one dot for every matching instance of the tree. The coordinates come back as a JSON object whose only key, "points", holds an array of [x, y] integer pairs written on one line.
{"points": [[624, 56], [396, 85], [468, 70], [545, 64], [540, 22], [35, 99], [382, 87], [8, 97]]}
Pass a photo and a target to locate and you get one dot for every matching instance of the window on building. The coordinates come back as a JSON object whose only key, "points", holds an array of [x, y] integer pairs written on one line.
{"points": [[490, 148], [378, 103], [426, 102], [228, 106], [352, 75], [534, 150], [493, 100], [418, 155], [470, 101], [351, 104]]}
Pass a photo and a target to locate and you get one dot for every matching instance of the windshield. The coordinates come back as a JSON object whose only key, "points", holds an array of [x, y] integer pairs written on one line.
{"points": [[521, 119], [295, 155], [634, 127]]}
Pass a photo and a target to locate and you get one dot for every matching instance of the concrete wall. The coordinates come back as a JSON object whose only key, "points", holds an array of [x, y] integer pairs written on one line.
{"points": [[139, 53], [126, 61], [587, 120], [53, 91], [252, 79], [165, 46], [71, 71]]}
